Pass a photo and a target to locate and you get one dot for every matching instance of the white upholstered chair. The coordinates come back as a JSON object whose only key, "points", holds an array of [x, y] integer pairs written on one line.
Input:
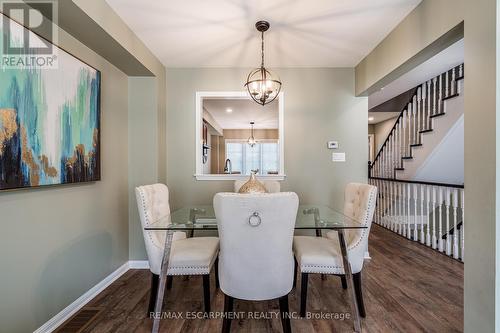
{"points": [[188, 256], [272, 186], [322, 255], [256, 258]]}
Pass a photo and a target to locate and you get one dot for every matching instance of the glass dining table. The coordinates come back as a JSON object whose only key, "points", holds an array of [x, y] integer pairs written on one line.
{"points": [[202, 217]]}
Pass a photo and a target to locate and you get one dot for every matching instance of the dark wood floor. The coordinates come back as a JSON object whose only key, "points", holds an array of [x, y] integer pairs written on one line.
{"points": [[407, 288]]}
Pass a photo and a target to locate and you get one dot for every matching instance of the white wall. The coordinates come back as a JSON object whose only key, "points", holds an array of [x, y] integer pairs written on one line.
{"points": [[446, 162]]}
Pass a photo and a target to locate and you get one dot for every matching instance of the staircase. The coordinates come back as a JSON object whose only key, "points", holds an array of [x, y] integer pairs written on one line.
{"points": [[427, 212], [416, 120]]}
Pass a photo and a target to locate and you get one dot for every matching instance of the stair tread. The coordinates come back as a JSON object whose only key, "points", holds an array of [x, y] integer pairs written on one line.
{"points": [[407, 157], [451, 96], [399, 168], [426, 130], [416, 145], [437, 115]]}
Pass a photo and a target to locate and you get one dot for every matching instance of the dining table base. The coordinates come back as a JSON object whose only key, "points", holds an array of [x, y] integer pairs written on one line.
{"points": [[157, 315], [349, 280]]}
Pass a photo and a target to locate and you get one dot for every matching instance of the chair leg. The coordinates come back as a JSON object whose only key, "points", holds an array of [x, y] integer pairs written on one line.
{"points": [[155, 279], [206, 292], [170, 280], [295, 273], [216, 264], [323, 277], [285, 314], [303, 294], [228, 307], [359, 294], [344, 282]]}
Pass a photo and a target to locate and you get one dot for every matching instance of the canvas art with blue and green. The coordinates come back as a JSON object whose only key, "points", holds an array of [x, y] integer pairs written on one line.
{"points": [[49, 124]]}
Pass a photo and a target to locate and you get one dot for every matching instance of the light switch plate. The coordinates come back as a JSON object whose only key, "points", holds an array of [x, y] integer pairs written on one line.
{"points": [[338, 157], [333, 144]]}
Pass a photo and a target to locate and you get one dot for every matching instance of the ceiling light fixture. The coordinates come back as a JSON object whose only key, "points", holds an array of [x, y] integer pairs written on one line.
{"points": [[370, 118], [261, 84], [229, 110], [251, 140]]}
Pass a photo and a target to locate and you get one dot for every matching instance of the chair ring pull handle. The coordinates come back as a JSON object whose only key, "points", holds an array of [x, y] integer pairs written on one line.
{"points": [[254, 220]]}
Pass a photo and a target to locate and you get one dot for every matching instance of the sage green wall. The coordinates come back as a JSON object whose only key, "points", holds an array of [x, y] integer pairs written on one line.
{"points": [[58, 242], [143, 142], [319, 106], [407, 43], [482, 167]]}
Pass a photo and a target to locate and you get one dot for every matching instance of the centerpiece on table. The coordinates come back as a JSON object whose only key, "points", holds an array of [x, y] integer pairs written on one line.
{"points": [[252, 185]]}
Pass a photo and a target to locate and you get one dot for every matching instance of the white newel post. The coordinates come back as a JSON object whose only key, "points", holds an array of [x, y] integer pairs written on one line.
{"points": [[453, 83], [415, 230], [440, 234], [434, 82], [448, 243], [422, 238], [408, 217], [428, 235], [400, 210], [455, 233], [440, 98], [419, 110], [405, 118], [414, 111], [434, 240], [447, 91]]}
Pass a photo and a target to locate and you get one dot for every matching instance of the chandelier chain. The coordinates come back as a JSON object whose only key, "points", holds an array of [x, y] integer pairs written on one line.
{"points": [[262, 48]]}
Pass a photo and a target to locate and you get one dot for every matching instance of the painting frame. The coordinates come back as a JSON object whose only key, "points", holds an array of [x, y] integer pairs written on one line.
{"points": [[98, 165]]}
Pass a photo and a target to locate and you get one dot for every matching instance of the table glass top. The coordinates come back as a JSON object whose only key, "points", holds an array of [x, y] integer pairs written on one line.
{"points": [[203, 217]]}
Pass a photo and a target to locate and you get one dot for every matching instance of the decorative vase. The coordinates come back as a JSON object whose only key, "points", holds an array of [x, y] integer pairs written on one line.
{"points": [[252, 186]]}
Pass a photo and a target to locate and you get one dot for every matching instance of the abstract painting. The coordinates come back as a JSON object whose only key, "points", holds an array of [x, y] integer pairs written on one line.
{"points": [[49, 123]]}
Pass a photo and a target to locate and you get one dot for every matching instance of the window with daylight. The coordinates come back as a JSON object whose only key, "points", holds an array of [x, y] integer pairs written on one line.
{"points": [[262, 158]]}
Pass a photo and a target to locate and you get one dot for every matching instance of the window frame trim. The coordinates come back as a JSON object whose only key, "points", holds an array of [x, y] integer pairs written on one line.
{"points": [[199, 96]]}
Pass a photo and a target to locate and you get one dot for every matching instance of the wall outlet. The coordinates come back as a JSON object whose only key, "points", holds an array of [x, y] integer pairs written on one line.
{"points": [[333, 144], [338, 157]]}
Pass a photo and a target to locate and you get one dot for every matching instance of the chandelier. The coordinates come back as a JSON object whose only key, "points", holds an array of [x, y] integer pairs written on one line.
{"points": [[261, 84], [251, 140]]}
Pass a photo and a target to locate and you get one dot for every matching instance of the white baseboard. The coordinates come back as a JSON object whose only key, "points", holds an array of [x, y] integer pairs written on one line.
{"points": [[71, 309], [138, 264]]}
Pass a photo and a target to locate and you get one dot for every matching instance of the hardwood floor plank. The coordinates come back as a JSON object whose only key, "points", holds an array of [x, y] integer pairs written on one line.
{"points": [[407, 288]]}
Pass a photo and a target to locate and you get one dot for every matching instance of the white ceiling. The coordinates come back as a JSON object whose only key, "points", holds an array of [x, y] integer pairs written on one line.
{"points": [[380, 116], [441, 62], [244, 111], [221, 33]]}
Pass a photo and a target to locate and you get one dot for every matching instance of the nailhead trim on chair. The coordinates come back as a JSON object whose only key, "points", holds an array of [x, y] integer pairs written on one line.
{"points": [[146, 217], [319, 269], [363, 233], [203, 270]]}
